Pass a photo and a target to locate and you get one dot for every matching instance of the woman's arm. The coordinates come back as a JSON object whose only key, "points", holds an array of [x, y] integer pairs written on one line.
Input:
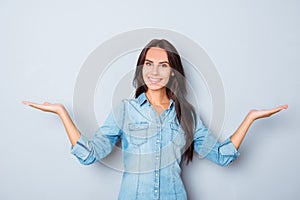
{"points": [[253, 115], [59, 109]]}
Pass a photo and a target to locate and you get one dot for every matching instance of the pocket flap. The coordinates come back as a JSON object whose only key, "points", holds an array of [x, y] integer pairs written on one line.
{"points": [[138, 126]]}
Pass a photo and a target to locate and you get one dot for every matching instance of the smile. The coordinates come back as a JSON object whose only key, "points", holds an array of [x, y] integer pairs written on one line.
{"points": [[154, 80]]}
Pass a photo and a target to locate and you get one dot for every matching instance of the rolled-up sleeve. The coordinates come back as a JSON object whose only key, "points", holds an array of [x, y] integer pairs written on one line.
{"points": [[207, 146], [101, 144]]}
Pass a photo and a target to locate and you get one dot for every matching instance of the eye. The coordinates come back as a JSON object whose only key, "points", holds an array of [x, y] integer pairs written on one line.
{"points": [[164, 65], [148, 63]]}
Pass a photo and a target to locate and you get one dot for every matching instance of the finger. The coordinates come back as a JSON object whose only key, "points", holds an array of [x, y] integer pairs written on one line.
{"points": [[35, 105], [284, 106], [25, 102], [280, 108], [28, 103], [276, 110]]}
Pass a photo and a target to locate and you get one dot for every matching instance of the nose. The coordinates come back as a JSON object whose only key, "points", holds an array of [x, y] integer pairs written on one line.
{"points": [[154, 70]]}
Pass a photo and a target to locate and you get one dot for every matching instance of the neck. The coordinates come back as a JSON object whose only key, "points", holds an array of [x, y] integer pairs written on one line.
{"points": [[157, 97]]}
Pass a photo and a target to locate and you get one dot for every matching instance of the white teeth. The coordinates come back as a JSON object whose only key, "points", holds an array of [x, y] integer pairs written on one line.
{"points": [[154, 80]]}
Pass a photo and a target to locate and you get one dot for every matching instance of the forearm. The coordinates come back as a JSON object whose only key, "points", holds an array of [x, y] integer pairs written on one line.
{"points": [[253, 115], [239, 135], [72, 131]]}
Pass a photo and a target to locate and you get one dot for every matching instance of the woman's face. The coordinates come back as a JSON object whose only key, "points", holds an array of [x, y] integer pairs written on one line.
{"points": [[156, 69]]}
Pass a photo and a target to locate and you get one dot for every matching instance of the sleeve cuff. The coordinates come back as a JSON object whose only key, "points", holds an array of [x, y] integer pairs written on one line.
{"points": [[227, 148], [80, 149]]}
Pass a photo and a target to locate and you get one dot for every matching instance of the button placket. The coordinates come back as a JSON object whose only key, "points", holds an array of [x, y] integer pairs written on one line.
{"points": [[157, 158]]}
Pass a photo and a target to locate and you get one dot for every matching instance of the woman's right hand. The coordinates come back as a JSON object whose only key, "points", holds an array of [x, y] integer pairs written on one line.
{"points": [[46, 106], [59, 109]]}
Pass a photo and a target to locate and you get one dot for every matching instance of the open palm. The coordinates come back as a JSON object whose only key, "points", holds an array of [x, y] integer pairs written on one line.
{"points": [[46, 106], [257, 114]]}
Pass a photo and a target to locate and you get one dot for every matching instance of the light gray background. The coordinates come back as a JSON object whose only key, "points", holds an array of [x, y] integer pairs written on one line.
{"points": [[255, 46]]}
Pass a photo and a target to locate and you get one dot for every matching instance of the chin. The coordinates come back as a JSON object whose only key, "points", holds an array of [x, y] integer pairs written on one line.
{"points": [[155, 87]]}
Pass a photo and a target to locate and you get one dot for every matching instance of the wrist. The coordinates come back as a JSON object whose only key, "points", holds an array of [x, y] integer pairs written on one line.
{"points": [[251, 117], [61, 111]]}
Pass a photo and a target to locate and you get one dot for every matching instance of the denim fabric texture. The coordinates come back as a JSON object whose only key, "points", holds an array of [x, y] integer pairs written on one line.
{"points": [[152, 148]]}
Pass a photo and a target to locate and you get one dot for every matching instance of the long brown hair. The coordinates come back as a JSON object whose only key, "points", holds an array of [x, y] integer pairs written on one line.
{"points": [[176, 90]]}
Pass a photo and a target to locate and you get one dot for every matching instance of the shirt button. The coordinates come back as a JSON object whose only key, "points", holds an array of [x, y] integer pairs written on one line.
{"points": [[156, 174], [155, 191], [157, 157], [157, 140]]}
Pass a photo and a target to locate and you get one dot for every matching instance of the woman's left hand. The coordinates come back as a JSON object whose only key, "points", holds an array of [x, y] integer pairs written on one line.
{"points": [[257, 114], [240, 133]]}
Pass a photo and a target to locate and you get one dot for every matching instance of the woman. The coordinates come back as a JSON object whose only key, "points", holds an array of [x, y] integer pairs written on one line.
{"points": [[157, 128]]}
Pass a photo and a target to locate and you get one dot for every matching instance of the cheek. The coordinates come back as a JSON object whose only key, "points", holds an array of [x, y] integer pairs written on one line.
{"points": [[144, 74], [145, 71], [166, 74]]}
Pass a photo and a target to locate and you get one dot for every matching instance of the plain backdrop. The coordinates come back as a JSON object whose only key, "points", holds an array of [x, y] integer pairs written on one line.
{"points": [[255, 46]]}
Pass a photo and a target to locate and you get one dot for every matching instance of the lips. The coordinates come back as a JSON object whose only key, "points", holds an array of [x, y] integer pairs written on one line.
{"points": [[154, 80]]}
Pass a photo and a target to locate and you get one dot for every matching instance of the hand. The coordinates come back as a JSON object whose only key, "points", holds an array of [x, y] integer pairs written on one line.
{"points": [[72, 131], [239, 134], [257, 114], [46, 106]]}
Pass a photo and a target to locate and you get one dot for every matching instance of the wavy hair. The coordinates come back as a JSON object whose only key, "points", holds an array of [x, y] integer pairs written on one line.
{"points": [[176, 90]]}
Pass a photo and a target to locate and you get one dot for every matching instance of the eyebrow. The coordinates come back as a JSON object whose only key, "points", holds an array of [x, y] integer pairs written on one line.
{"points": [[159, 62]]}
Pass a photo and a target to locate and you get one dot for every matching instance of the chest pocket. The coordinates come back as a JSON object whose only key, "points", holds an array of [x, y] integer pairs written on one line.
{"points": [[177, 134], [138, 133]]}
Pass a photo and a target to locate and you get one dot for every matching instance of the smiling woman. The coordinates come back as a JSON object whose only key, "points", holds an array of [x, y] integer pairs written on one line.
{"points": [[157, 128], [166, 86], [156, 70]]}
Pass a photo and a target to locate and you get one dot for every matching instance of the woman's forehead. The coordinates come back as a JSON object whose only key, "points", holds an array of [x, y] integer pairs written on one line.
{"points": [[157, 54]]}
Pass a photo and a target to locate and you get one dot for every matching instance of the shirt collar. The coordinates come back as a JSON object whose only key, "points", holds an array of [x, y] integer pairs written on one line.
{"points": [[142, 99]]}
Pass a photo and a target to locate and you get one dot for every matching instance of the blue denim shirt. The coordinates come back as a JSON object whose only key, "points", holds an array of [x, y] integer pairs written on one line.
{"points": [[152, 148]]}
